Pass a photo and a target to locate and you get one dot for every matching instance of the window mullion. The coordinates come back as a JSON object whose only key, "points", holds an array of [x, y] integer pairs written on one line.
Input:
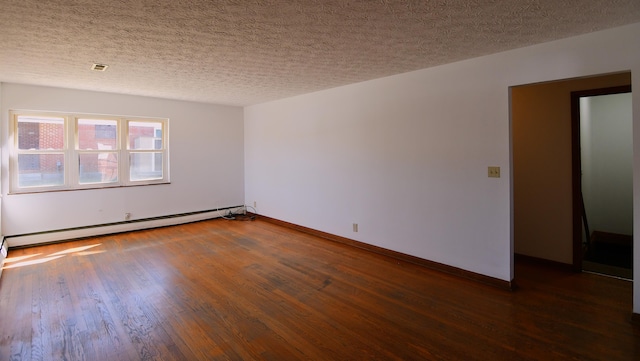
{"points": [[72, 158], [123, 134]]}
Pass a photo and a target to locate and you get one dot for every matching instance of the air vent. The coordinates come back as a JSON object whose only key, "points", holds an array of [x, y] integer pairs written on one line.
{"points": [[99, 67]]}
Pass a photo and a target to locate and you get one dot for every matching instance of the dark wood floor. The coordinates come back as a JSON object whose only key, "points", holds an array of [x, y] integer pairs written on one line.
{"points": [[228, 290]]}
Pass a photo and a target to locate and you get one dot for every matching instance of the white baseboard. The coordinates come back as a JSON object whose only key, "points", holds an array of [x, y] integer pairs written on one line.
{"points": [[61, 235]]}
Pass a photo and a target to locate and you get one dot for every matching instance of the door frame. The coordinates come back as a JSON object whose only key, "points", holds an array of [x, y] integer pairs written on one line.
{"points": [[576, 166]]}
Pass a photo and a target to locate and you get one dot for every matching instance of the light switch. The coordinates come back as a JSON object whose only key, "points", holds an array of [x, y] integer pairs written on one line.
{"points": [[494, 172]]}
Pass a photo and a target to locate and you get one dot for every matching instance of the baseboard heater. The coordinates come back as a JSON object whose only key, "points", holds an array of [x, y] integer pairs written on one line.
{"points": [[24, 240]]}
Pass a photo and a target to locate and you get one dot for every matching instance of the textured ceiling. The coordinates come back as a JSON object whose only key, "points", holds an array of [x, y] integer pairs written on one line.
{"points": [[245, 52]]}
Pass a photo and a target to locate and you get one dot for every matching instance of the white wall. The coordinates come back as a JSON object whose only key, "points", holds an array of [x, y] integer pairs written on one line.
{"points": [[607, 162], [635, 83], [406, 156], [3, 248], [206, 156]]}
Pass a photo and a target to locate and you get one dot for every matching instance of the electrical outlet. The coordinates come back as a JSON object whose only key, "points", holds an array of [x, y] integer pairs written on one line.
{"points": [[355, 227], [255, 204], [494, 172], [127, 216]]}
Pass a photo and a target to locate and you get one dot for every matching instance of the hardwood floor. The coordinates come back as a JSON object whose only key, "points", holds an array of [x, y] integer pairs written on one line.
{"points": [[228, 290]]}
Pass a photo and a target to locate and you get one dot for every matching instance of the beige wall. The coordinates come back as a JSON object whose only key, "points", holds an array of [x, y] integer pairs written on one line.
{"points": [[541, 133]]}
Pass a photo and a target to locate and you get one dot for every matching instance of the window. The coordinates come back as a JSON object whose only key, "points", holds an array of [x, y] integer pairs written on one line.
{"points": [[145, 150], [98, 151], [71, 151], [40, 151]]}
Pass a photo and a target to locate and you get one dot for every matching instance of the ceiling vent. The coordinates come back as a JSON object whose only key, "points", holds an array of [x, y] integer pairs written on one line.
{"points": [[99, 67]]}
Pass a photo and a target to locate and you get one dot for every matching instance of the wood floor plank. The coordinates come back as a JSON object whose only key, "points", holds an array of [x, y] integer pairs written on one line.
{"points": [[226, 290], [16, 345]]}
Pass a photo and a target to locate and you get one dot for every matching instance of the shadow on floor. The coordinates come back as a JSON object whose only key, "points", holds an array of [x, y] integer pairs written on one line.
{"points": [[610, 254]]}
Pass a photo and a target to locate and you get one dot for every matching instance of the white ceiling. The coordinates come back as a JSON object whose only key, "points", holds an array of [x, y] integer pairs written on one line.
{"points": [[245, 52]]}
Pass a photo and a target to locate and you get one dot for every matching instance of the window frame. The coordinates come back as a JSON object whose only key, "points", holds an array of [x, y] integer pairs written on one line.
{"points": [[72, 152], [163, 147]]}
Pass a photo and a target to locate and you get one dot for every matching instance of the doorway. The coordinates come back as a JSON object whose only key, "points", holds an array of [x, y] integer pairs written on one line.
{"points": [[542, 164], [602, 175]]}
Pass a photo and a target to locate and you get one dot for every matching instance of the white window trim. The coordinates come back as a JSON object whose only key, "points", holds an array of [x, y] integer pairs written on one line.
{"points": [[72, 152]]}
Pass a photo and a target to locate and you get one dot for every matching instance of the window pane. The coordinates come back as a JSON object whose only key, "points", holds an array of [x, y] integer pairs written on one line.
{"points": [[98, 167], [97, 134], [145, 166], [40, 170], [144, 135], [40, 132]]}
